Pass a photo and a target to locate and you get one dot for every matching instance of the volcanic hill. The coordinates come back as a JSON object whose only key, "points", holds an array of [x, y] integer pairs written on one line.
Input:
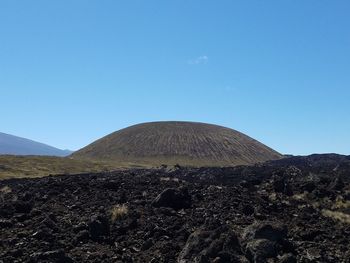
{"points": [[175, 142]]}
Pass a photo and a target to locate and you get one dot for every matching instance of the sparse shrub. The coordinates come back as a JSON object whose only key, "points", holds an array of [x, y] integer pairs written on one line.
{"points": [[118, 212]]}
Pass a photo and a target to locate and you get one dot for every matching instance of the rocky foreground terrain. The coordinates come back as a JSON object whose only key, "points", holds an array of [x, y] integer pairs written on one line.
{"points": [[292, 210]]}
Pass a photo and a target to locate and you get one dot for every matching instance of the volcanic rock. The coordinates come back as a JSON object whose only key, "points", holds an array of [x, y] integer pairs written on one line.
{"points": [[287, 258], [259, 250], [98, 226], [205, 245], [174, 198], [265, 230], [55, 256], [219, 219]]}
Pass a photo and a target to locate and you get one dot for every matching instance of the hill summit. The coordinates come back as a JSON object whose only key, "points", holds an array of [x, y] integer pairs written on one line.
{"points": [[175, 142]]}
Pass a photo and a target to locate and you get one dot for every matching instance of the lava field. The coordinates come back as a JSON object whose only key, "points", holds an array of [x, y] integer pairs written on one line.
{"points": [[292, 210]]}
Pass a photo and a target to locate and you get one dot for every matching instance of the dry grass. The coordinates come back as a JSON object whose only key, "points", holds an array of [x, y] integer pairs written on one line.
{"points": [[335, 206], [12, 166], [118, 212], [342, 217], [300, 197], [340, 203]]}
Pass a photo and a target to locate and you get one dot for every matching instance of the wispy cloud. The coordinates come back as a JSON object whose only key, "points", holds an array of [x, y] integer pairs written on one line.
{"points": [[199, 60]]}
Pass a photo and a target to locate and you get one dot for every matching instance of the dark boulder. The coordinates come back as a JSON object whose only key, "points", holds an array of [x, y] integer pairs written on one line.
{"points": [[258, 250], [287, 258], [147, 244], [98, 226], [174, 198], [221, 245], [264, 240], [22, 207], [265, 230]]}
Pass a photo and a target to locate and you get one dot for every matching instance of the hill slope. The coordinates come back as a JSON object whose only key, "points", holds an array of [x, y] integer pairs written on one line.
{"points": [[185, 143], [14, 145]]}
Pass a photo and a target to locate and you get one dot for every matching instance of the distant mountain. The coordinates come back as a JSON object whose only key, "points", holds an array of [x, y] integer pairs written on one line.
{"points": [[176, 142], [14, 145]]}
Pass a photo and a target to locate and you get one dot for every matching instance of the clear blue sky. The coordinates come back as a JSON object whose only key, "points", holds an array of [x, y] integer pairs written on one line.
{"points": [[279, 71]]}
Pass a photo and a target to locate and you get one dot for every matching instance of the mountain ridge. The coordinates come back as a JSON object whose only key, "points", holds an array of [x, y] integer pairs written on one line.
{"points": [[15, 145]]}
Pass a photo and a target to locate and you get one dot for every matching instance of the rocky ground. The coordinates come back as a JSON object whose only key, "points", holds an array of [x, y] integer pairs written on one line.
{"points": [[293, 210]]}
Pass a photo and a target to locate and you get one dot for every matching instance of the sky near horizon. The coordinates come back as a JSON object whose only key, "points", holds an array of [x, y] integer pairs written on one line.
{"points": [[278, 71]]}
